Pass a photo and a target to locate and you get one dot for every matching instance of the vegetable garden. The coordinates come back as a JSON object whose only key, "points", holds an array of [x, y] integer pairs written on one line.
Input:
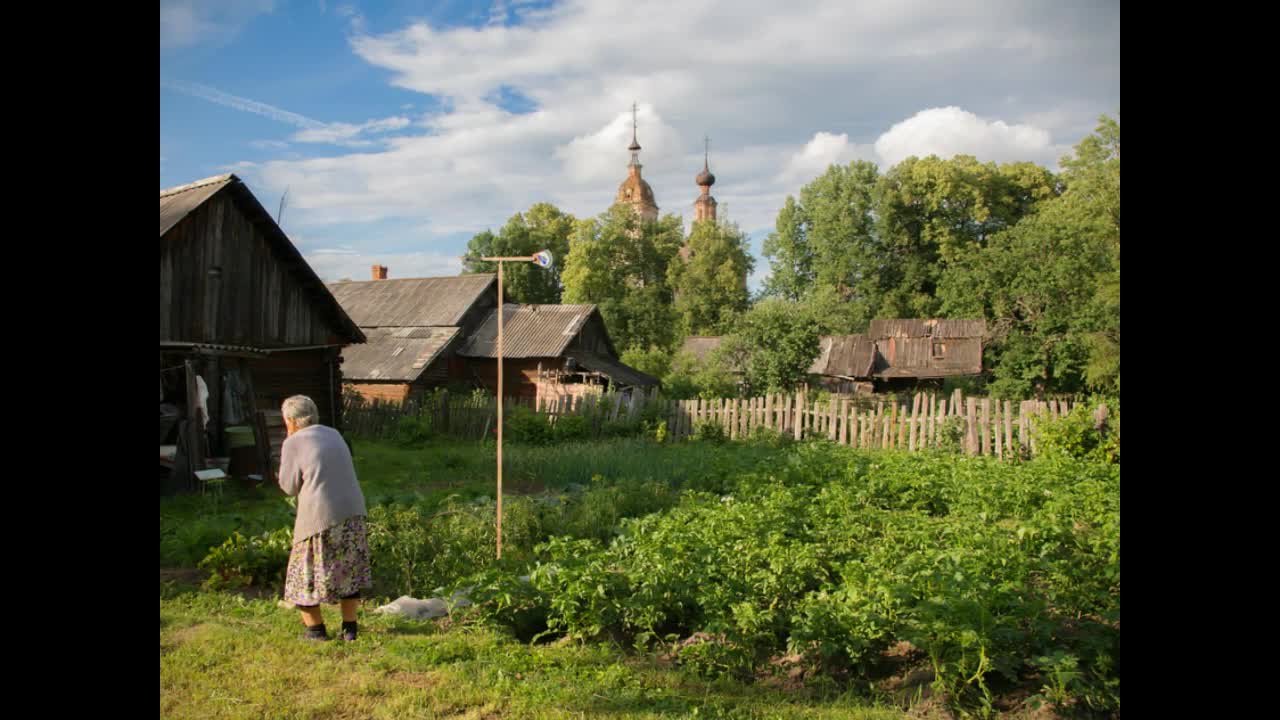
{"points": [[986, 587]]}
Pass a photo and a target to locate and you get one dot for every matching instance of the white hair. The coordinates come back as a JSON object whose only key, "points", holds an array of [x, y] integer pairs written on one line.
{"points": [[301, 410]]}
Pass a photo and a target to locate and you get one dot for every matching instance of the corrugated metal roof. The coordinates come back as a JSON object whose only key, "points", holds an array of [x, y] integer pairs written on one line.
{"points": [[177, 202], [400, 354], [411, 302], [528, 331], [850, 356], [614, 370], [931, 327]]}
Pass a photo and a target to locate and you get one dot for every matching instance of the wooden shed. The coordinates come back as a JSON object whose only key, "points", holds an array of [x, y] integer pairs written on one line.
{"points": [[897, 352], [414, 327], [546, 350], [244, 323]]}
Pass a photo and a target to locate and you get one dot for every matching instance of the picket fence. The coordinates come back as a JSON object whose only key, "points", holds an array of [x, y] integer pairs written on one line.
{"points": [[976, 425]]}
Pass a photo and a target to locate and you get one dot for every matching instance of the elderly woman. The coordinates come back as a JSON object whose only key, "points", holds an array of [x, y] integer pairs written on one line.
{"points": [[329, 562]]}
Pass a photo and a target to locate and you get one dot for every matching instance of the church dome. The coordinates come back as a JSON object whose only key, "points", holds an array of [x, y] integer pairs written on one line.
{"points": [[635, 190], [705, 178]]}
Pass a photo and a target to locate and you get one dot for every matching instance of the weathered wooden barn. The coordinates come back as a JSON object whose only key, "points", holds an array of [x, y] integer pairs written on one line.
{"points": [[414, 327], [244, 323], [900, 352], [425, 333], [548, 351]]}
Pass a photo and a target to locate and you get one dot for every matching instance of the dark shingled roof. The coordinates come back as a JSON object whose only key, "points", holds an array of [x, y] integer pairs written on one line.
{"points": [[528, 331], [412, 302], [396, 354]]}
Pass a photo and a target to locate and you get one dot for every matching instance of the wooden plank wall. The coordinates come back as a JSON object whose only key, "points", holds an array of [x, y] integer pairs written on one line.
{"points": [[218, 272]]}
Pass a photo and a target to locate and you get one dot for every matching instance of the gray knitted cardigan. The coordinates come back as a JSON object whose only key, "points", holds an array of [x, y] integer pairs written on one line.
{"points": [[315, 465]]}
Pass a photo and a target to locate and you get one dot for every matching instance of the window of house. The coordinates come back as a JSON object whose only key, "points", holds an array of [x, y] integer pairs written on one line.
{"points": [[939, 349]]}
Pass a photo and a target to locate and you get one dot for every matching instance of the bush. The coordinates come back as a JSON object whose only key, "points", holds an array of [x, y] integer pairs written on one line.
{"points": [[239, 562], [710, 430], [412, 431], [570, 428], [769, 437], [1080, 436], [526, 426], [951, 434]]}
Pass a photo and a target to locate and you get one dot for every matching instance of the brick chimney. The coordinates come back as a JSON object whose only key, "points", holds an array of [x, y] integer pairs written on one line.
{"points": [[379, 272]]}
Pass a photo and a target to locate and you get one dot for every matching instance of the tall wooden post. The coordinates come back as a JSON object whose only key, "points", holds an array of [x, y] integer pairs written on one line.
{"points": [[500, 409]]}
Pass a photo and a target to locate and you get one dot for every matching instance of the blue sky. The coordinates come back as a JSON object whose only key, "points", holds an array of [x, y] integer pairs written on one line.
{"points": [[400, 129]]}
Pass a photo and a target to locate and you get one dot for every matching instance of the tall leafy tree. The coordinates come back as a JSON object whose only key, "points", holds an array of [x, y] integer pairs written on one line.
{"points": [[930, 211], [621, 263], [1049, 285], [541, 227], [710, 287], [826, 238]]}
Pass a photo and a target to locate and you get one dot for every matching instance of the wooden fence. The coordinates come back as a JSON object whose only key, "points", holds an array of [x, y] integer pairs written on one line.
{"points": [[978, 426]]}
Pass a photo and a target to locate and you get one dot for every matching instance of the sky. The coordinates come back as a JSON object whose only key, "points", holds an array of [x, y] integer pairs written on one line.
{"points": [[395, 131]]}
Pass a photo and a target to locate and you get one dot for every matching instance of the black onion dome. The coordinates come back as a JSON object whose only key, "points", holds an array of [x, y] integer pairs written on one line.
{"points": [[635, 145], [705, 178]]}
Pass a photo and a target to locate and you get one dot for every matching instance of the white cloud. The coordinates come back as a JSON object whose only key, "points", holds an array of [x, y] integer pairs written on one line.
{"points": [[782, 92], [184, 23], [352, 15], [824, 150], [594, 157], [313, 131], [346, 133], [218, 97], [950, 131]]}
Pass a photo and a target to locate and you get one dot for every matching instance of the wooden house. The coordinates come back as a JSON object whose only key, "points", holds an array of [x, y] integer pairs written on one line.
{"points": [[244, 323], [425, 333], [897, 353], [549, 351], [414, 327]]}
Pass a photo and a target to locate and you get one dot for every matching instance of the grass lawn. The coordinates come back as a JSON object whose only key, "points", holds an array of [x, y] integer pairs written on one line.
{"points": [[223, 656]]}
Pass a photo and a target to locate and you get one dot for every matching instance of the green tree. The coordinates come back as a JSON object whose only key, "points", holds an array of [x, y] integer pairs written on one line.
{"points": [[775, 342], [541, 227], [710, 287], [620, 263], [1049, 285], [826, 240], [712, 377], [931, 211]]}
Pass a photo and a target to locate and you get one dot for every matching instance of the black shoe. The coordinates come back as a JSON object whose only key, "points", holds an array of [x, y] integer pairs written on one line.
{"points": [[348, 631], [316, 633]]}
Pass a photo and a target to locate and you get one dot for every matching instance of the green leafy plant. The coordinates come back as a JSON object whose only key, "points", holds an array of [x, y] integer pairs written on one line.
{"points": [[412, 431], [239, 562], [710, 430], [526, 426]]}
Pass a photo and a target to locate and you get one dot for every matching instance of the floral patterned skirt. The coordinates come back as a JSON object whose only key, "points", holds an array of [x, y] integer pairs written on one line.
{"points": [[330, 565]]}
